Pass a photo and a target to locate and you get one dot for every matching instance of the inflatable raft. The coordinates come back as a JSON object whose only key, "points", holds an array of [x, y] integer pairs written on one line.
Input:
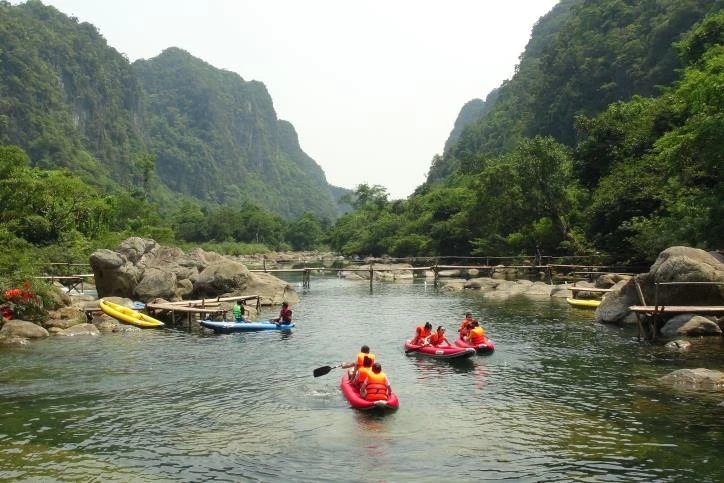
{"points": [[485, 347], [439, 352], [224, 326], [351, 393]]}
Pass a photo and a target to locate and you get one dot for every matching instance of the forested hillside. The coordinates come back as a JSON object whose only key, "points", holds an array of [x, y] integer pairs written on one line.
{"points": [[582, 56], [169, 128], [606, 142]]}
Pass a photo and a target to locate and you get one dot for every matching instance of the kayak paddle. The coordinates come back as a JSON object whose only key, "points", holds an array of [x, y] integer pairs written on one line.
{"points": [[320, 371]]}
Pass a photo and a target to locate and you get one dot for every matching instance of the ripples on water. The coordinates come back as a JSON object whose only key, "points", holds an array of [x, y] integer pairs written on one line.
{"points": [[560, 399]]}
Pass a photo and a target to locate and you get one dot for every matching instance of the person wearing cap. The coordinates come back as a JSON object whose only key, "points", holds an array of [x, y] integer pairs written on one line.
{"points": [[438, 338]]}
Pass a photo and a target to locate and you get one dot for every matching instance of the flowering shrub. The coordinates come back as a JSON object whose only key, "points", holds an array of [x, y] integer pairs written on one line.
{"points": [[21, 303]]}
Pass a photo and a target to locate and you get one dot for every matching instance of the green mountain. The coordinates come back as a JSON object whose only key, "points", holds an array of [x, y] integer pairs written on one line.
{"points": [[173, 125], [582, 56]]}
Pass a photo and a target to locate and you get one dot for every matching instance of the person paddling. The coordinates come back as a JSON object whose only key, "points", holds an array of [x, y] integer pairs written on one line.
{"points": [[359, 362]]}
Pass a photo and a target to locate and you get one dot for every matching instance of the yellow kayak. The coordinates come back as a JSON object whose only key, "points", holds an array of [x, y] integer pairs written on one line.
{"points": [[129, 316], [587, 303]]}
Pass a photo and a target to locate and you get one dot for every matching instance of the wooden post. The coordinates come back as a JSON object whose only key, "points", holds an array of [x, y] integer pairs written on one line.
{"points": [[372, 276], [642, 300], [434, 271]]}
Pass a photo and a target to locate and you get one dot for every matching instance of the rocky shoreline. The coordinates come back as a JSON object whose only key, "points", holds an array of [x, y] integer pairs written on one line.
{"points": [[141, 269]]}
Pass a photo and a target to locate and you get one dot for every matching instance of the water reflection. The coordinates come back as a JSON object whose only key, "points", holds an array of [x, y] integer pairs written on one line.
{"points": [[560, 399]]}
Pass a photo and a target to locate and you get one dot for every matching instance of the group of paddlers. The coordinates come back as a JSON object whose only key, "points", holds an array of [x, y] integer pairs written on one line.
{"points": [[367, 375], [470, 331]]}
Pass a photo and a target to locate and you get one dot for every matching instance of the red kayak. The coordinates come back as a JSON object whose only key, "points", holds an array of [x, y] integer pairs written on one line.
{"points": [[439, 352], [358, 402], [485, 347]]}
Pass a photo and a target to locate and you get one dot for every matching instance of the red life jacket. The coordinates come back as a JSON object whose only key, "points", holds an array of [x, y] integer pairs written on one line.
{"points": [[285, 315]]}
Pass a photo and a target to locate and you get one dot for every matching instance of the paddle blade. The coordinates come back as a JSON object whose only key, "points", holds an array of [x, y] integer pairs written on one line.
{"points": [[320, 371]]}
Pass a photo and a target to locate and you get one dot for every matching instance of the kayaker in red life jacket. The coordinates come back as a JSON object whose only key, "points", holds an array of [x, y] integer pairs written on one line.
{"points": [[357, 364], [285, 315], [422, 334], [476, 335], [363, 372], [465, 325], [438, 338], [376, 387]]}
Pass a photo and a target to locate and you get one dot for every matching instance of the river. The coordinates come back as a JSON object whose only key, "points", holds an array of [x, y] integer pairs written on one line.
{"points": [[560, 399]]}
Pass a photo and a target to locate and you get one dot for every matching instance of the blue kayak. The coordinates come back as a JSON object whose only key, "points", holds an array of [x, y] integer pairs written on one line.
{"points": [[227, 326]]}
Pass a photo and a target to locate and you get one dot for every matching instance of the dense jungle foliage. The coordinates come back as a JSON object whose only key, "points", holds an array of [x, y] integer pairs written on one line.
{"points": [[173, 128], [606, 141]]}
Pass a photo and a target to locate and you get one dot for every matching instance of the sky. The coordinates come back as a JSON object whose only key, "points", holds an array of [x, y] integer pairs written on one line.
{"points": [[372, 87]]}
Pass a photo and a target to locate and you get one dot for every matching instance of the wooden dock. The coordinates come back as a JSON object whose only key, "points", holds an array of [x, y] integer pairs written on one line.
{"points": [[197, 309], [652, 315]]}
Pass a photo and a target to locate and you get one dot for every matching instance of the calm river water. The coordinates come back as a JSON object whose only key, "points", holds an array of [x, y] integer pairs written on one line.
{"points": [[561, 399]]}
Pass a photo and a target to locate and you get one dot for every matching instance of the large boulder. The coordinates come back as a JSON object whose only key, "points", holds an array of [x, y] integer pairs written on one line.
{"points": [[690, 325], [22, 329], [675, 264], [695, 378], [141, 269]]}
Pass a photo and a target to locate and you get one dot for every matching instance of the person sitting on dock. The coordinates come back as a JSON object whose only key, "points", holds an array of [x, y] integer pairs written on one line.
{"points": [[238, 311], [476, 335], [285, 315], [422, 334], [438, 338], [376, 387], [363, 353]]}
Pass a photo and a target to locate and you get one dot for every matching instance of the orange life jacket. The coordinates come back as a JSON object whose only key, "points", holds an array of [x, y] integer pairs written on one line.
{"points": [[376, 389], [477, 335], [362, 374], [463, 325], [361, 358], [436, 339]]}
